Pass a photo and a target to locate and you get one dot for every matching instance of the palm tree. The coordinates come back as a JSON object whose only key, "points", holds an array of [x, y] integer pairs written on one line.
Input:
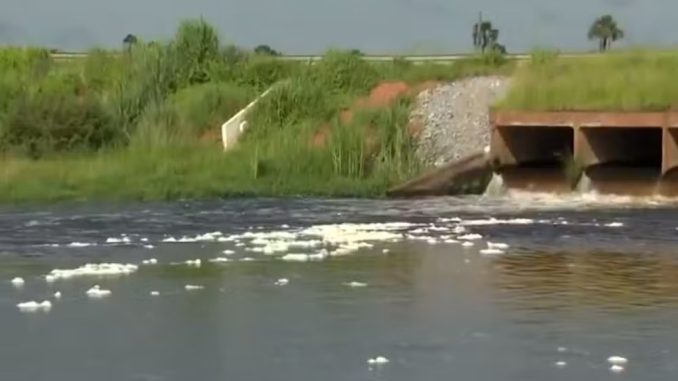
{"points": [[484, 35], [606, 30], [129, 41]]}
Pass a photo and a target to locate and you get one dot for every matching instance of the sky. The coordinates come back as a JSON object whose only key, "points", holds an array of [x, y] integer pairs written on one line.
{"points": [[313, 26]]}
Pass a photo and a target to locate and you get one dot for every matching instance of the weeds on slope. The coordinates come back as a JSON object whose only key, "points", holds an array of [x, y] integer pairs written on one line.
{"points": [[626, 81], [144, 124]]}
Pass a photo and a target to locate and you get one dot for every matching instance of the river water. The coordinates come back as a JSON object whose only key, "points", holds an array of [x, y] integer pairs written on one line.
{"points": [[568, 283]]}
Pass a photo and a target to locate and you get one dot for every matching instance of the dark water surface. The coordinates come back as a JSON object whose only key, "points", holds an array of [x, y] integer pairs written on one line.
{"points": [[581, 281]]}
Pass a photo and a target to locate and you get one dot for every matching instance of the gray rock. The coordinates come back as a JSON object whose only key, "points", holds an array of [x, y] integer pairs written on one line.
{"points": [[455, 118]]}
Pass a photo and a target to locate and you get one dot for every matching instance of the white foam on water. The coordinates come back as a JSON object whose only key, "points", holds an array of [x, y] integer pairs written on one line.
{"points": [[34, 306], [246, 259], [379, 360], [496, 185], [154, 293], [352, 247], [386, 251], [617, 360], [282, 282], [413, 237], [492, 251], [18, 282], [355, 284], [334, 239], [459, 230], [80, 244], [302, 257], [149, 246], [219, 260], [57, 295], [495, 221], [269, 235], [208, 237], [436, 228], [616, 369], [449, 219], [97, 292], [92, 270], [144, 239], [561, 364], [193, 262], [193, 287], [115, 240], [497, 245], [470, 237], [614, 225], [521, 199], [562, 349], [150, 261], [467, 244]]}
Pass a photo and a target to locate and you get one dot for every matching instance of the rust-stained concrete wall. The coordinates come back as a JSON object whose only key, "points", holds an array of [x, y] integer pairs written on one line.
{"points": [[625, 146], [515, 145], [627, 138]]}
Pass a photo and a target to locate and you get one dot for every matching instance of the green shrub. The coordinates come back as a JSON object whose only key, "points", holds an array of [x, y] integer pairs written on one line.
{"points": [[149, 77], [28, 63], [101, 70], [345, 72], [290, 103], [261, 72], [207, 106], [191, 112], [49, 122], [196, 46]]}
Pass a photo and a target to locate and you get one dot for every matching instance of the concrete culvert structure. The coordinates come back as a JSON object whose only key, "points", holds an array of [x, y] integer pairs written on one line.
{"points": [[614, 152], [630, 147], [532, 146], [621, 160], [533, 157]]}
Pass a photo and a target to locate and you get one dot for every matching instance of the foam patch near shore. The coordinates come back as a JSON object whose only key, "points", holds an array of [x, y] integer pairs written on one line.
{"points": [[92, 270]]}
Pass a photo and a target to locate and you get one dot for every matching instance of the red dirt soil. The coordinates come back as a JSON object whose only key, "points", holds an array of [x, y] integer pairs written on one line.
{"points": [[383, 95]]}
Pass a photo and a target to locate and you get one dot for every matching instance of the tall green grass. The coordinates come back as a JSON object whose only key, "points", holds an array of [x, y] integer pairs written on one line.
{"points": [[624, 81], [145, 124]]}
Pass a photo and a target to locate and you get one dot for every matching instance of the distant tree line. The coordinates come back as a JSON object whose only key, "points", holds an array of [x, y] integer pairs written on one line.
{"points": [[604, 29], [485, 37]]}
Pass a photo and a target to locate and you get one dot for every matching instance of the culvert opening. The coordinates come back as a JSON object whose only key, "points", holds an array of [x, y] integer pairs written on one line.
{"points": [[625, 147], [623, 160], [541, 155], [538, 146]]}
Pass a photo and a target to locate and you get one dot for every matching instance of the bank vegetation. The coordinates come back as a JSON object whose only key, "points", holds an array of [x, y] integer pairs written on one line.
{"points": [[635, 80], [144, 124]]}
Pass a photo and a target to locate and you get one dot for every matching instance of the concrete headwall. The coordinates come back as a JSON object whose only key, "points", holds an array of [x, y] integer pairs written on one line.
{"points": [[234, 127]]}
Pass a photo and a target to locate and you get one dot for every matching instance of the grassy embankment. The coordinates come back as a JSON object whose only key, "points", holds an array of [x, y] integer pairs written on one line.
{"points": [[617, 81], [145, 125]]}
